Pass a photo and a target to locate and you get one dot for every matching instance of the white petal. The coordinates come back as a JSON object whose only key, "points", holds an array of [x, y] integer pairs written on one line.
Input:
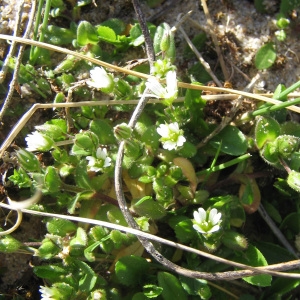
{"points": [[97, 72], [196, 227], [95, 169], [169, 145], [35, 140], [214, 229], [163, 130], [171, 82], [107, 162], [153, 85], [174, 127], [101, 153], [181, 140], [93, 84], [214, 216], [200, 215], [91, 160]]}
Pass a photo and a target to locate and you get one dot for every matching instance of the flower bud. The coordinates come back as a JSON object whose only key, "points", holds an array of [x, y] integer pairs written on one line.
{"points": [[66, 65], [283, 23], [122, 132], [287, 145], [86, 142], [9, 244], [234, 240], [28, 161], [133, 149], [48, 249], [165, 41]]}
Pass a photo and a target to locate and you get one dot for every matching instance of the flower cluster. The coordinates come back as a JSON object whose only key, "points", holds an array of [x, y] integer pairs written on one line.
{"points": [[207, 222], [99, 162], [171, 136]]}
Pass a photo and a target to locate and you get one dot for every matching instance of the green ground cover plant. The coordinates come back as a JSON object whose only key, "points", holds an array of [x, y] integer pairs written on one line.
{"points": [[150, 200]]}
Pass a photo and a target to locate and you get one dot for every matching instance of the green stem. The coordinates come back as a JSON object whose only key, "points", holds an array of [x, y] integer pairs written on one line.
{"points": [[269, 109], [35, 51], [34, 88], [71, 188], [225, 165], [290, 89]]}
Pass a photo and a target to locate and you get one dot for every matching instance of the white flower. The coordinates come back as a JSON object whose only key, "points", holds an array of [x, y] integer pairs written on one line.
{"points": [[207, 223], [100, 79], [169, 93], [171, 136], [46, 293], [37, 141], [100, 161]]}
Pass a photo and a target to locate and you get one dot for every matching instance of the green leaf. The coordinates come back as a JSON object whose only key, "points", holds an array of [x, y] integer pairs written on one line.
{"points": [[265, 56], [151, 138], [288, 5], [183, 228], [88, 252], [60, 227], [172, 288], [152, 291], [274, 253], [130, 270], [86, 34], [291, 222], [280, 287], [20, 178], [78, 243], [115, 216], [196, 287], [149, 208], [117, 25], [59, 36], [107, 34], [104, 131], [253, 257], [293, 180], [51, 272], [273, 212], [136, 35], [291, 128], [81, 177], [88, 280], [52, 181], [231, 141], [266, 130]]}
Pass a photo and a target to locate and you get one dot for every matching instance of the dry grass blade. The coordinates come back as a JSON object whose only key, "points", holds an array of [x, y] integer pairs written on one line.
{"points": [[143, 75]]}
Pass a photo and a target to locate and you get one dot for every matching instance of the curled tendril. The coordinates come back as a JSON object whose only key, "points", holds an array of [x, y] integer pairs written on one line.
{"points": [[21, 205]]}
